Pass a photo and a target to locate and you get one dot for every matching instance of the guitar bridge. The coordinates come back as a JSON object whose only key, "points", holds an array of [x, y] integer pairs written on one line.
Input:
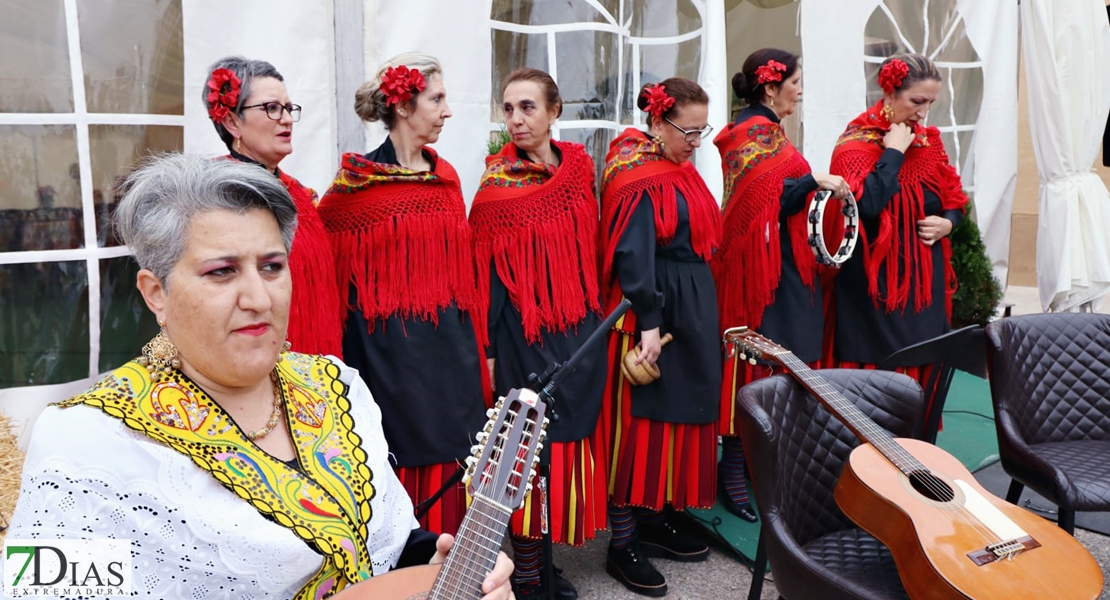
{"points": [[1006, 550]]}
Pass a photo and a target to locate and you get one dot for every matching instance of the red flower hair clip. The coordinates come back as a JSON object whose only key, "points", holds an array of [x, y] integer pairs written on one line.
{"points": [[892, 74], [770, 72], [223, 93], [400, 84], [658, 101]]}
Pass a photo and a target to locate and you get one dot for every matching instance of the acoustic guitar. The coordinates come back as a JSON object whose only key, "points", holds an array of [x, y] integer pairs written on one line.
{"points": [[498, 476], [951, 539]]}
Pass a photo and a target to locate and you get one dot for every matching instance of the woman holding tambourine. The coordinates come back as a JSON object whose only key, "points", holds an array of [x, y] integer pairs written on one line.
{"points": [[896, 290], [766, 273]]}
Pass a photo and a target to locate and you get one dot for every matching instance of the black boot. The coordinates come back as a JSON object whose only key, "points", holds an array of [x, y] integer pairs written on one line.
{"points": [[662, 540], [744, 511], [630, 566], [564, 589]]}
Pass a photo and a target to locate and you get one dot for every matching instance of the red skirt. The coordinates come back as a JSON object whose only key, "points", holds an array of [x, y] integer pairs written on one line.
{"points": [[575, 494], [654, 463], [739, 373], [423, 482]]}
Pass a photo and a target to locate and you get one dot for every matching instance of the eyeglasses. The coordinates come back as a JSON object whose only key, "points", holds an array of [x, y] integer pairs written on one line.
{"points": [[692, 134], [274, 110]]}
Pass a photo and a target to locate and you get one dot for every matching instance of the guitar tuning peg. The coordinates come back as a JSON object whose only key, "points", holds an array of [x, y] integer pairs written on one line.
{"points": [[752, 361], [471, 460], [545, 422], [476, 449], [528, 488], [481, 436], [491, 413]]}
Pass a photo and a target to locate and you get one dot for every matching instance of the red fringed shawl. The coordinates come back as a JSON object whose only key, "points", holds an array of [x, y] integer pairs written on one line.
{"points": [[756, 157], [401, 237], [315, 312], [896, 248], [636, 165], [538, 224]]}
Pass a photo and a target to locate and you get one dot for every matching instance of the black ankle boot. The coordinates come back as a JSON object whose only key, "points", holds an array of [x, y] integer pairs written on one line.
{"points": [[630, 566], [662, 540], [564, 589]]}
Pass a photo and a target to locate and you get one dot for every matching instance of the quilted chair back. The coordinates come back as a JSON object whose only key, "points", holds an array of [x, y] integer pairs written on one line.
{"points": [[1050, 376], [796, 451]]}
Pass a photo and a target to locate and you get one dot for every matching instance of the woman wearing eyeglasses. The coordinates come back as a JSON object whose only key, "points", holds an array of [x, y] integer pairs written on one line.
{"points": [[766, 274], [250, 109], [415, 329], [659, 227]]}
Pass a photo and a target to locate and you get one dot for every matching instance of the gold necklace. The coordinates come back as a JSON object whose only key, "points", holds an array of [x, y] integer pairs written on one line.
{"points": [[275, 416]]}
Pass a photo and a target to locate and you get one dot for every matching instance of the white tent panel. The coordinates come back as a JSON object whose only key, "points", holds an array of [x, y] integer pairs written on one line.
{"points": [[1067, 55], [459, 36], [296, 37]]}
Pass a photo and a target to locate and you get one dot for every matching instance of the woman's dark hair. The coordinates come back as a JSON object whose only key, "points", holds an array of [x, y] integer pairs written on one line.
{"points": [[247, 71], [684, 91], [921, 69], [550, 89], [745, 83]]}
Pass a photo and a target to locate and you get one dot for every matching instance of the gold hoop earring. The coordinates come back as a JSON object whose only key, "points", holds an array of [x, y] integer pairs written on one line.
{"points": [[160, 355]]}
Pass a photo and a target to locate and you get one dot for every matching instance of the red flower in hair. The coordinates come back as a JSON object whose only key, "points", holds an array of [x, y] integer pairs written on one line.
{"points": [[772, 71], [400, 84], [658, 101], [223, 93], [892, 74]]}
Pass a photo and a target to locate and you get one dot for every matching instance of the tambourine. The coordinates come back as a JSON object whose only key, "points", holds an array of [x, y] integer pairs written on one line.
{"points": [[817, 233]]}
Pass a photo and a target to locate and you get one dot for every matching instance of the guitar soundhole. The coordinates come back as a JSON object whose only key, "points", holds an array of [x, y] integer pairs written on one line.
{"points": [[931, 486]]}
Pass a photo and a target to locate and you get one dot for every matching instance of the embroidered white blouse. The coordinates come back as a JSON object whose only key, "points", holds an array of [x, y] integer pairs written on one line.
{"points": [[87, 475]]}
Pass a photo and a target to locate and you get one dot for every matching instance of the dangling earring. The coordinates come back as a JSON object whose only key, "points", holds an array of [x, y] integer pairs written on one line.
{"points": [[888, 112], [658, 139], [286, 346], [772, 101], [160, 355], [239, 145]]}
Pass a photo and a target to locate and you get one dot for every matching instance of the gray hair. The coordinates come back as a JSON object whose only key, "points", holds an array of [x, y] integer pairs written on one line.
{"points": [[246, 70], [166, 192], [370, 101]]}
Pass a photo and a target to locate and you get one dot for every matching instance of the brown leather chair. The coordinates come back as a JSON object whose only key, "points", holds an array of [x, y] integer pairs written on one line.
{"points": [[1050, 385], [796, 451]]}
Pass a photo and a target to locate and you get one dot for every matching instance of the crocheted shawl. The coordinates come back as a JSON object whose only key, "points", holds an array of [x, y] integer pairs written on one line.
{"points": [[756, 157], [401, 238], [896, 248], [538, 225], [635, 166]]}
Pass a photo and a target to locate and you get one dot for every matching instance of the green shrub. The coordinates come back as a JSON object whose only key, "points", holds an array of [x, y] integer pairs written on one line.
{"points": [[978, 293]]}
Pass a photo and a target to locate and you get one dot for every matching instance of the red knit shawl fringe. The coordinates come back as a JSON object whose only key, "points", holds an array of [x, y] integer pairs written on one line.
{"points": [[896, 248], [401, 237], [315, 312], [756, 157], [539, 225], [634, 166]]}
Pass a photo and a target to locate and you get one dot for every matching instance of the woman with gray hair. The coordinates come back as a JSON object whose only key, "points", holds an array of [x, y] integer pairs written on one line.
{"points": [[250, 109], [403, 253], [233, 466]]}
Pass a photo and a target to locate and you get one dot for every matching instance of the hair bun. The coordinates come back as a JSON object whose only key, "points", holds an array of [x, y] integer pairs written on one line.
{"points": [[740, 85]]}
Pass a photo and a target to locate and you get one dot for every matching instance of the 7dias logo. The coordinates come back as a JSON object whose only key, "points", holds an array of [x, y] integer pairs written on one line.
{"points": [[67, 567]]}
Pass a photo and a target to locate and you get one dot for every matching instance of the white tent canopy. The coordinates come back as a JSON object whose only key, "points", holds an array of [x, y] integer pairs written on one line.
{"points": [[1067, 56]]}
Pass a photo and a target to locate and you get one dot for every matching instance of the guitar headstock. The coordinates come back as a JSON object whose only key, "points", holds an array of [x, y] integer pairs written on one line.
{"points": [[504, 461], [752, 346]]}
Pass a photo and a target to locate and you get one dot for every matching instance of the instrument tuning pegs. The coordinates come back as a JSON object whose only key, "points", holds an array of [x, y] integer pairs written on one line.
{"points": [[491, 413], [476, 449], [528, 488], [481, 436]]}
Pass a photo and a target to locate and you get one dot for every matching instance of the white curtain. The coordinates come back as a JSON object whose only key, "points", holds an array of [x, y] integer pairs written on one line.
{"points": [[1067, 59]]}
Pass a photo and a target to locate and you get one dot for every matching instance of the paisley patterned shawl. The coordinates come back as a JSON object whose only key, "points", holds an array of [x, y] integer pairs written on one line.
{"points": [[756, 157], [326, 503]]}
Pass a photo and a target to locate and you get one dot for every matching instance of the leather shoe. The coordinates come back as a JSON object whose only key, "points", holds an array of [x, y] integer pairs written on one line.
{"points": [[564, 589], [664, 541], [630, 566], [744, 511]]}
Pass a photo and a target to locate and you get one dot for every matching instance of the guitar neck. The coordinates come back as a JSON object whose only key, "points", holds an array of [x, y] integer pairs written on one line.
{"points": [[475, 551], [849, 414]]}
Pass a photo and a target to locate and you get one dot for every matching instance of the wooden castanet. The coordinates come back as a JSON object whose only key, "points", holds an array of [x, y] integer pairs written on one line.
{"points": [[930, 540], [412, 583], [643, 373]]}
